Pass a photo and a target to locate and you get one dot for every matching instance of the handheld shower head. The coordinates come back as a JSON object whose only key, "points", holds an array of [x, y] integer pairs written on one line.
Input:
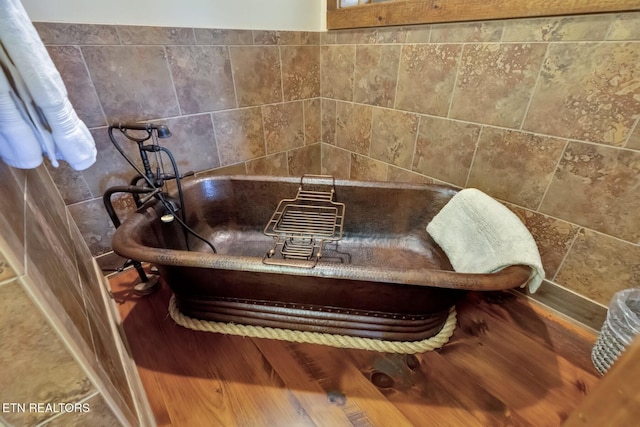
{"points": [[162, 131]]}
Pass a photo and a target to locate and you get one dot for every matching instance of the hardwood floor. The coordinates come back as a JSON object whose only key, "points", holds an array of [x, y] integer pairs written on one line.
{"points": [[510, 363]]}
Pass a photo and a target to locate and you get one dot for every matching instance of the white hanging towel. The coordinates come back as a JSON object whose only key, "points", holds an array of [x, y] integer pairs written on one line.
{"points": [[43, 104], [14, 126]]}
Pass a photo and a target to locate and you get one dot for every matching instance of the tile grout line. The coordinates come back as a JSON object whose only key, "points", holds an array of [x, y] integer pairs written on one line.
{"points": [[24, 231], [494, 126], [609, 30], [370, 133], [353, 74], [634, 127], [395, 95], [566, 254], [473, 158], [534, 89], [555, 169], [281, 73], [95, 91], [173, 83], [215, 140], [415, 144], [56, 323], [233, 80], [60, 414], [455, 81], [264, 134]]}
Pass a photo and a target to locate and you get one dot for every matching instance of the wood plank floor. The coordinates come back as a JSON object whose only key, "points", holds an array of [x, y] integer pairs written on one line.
{"points": [[510, 363]]}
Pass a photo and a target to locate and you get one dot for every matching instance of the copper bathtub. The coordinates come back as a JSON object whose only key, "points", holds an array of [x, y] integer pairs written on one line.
{"points": [[385, 278]]}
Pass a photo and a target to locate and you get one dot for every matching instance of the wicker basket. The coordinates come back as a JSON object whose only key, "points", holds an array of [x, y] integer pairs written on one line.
{"points": [[624, 316], [606, 350]]}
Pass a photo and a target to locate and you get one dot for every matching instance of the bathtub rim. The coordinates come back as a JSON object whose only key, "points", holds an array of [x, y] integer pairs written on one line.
{"points": [[126, 243]]}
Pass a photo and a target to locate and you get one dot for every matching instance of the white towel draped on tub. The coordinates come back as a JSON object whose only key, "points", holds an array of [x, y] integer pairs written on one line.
{"points": [[481, 235], [35, 113]]}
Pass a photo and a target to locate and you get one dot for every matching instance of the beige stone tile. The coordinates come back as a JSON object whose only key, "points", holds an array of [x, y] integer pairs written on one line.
{"points": [[257, 74], [587, 91], [335, 161], [82, 94], [465, 32], [598, 266], [13, 212], [445, 149], [337, 64], [376, 75], [51, 266], [43, 197], [202, 78], [265, 37], [110, 167], [134, 34], [367, 169], [269, 37], [94, 224], [274, 165], [133, 82], [283, 126], [356, 36], [110, 367], [35, 365], [90, 282], [310, 38], [596, 186], [634, 139], [353, 127], [418, 33], [6, 272], [71, 183], [53, 33], [560, 28], [300, 72], [495, 82], [289, 37], [553, 237], [394, 34], [625, 26], [217, 36], [312, 121], [192, 143], [397, 174], [305, 160], [515, 166], [328, 37], [239, 135], [393, 136], [329, 108], [426, 78], [97, 414]]}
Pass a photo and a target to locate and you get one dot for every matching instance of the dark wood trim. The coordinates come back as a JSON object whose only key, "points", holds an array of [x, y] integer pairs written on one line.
{"points": [[332, 4], [433, 11]]}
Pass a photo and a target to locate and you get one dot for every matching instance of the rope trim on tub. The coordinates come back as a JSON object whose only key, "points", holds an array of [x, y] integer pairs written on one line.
{"points": [[340, 341]]}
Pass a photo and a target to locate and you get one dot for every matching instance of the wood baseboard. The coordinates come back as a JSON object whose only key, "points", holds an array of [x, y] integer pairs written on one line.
{"points": [[575, 306]]}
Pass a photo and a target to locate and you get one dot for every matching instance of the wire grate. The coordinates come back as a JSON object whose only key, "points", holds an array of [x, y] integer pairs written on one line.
{"points": [[302, 225]]}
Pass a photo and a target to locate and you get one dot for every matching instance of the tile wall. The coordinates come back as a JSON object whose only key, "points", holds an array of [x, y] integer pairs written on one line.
{"points": [[58, 340], [236, 101], [539, 113]]}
